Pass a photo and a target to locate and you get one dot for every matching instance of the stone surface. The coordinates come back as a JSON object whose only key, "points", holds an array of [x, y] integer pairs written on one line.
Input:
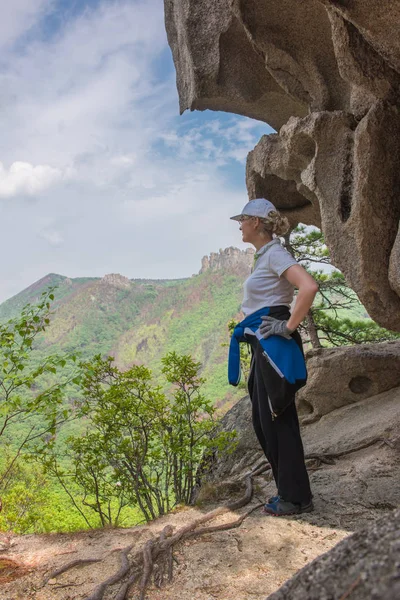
{"points": [[326, 73], [248, 452], [340, 376], [355, 424], [267, 59], [365, 565]]}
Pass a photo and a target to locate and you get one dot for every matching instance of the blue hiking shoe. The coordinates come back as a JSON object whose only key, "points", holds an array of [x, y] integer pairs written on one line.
{"points": [[272, 499], [282, 508]]}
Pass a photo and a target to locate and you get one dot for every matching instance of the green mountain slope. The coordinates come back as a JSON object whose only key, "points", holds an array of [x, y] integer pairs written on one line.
{"points": [[138, 321]]}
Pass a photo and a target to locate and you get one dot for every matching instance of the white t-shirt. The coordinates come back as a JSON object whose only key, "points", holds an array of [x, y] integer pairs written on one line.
{"points": [[266, 286]]}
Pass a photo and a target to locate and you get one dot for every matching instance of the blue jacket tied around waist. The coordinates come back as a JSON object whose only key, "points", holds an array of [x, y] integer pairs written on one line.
{"points": [[284, 356]]}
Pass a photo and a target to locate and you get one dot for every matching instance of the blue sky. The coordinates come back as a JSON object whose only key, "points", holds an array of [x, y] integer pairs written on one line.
{"points": [[98, 172]]}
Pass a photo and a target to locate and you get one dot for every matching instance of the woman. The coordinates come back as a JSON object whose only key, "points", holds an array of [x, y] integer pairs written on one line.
{"points": [[278, 367]]}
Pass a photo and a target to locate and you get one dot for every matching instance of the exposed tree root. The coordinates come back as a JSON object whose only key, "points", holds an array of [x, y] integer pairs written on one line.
{"points": [[123, 590], [351, 588], [74, 563], [261, 469], [224, 526], [155, 560], [122, 571], [148, 564], [164, 565], [65, 585]]}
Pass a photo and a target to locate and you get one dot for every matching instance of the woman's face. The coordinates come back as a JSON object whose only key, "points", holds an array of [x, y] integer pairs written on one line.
{"points": [[247, 228]]}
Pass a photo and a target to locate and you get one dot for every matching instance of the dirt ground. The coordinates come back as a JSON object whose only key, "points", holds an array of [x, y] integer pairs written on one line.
{"points": [[248, 562]]}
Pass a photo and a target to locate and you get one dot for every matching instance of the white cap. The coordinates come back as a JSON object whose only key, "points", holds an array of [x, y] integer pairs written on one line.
{"points": [[256, 208]]}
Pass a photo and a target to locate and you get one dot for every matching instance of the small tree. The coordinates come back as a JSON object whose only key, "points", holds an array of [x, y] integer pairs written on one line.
{"points": [[30, 400], [192, 428], [140, 448], [88, 480], [24, 499]]}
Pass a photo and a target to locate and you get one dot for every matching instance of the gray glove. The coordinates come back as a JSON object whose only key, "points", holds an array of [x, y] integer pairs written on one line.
{"points": [[271, 326]]}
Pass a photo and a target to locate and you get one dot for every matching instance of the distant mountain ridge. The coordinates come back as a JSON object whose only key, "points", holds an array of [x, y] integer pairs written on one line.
{"points": [[139, 320]]}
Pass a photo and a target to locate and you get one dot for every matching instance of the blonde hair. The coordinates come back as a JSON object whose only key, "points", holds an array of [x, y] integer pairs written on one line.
{"points": [[274, 223]]}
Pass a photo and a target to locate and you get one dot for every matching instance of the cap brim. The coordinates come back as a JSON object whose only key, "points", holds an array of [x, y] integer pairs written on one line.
{"points": [[237, 218]]}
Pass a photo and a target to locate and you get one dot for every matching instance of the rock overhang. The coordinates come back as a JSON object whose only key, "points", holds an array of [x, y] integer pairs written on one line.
{"points": [[326, 74]]}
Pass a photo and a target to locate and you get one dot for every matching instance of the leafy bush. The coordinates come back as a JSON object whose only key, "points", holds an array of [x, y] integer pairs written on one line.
{"points": [[141, 448]]}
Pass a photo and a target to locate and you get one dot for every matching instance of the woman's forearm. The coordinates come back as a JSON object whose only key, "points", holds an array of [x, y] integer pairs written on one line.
{"points": [[308, 289], [304, 300]]}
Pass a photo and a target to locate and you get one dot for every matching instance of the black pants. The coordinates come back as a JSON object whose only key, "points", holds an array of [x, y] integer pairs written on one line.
{"points": [[279, 437]]}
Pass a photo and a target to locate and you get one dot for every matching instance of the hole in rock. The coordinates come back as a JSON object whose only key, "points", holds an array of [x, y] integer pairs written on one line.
{"points": [[345, 205], [360, 384], [303, 150], [347, 182], [305, 407], [283, 193]]}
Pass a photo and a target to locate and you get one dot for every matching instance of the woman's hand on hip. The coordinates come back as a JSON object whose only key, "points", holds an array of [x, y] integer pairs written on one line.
{"points": [[271, 326]]}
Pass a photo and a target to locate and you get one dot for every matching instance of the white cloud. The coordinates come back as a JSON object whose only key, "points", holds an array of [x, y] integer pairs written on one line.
{"points": [[90, 102], [83, 92], [176, 197], [124, 160], [23, 178], [18, 17]]}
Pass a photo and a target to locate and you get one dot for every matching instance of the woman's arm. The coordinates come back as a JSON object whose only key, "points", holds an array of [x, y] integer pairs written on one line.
{"points": [[307, 287]]}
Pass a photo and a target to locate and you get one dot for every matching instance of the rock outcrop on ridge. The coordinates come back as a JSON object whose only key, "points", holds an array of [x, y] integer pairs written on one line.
{"points": [[230, 259], [326, 74]]}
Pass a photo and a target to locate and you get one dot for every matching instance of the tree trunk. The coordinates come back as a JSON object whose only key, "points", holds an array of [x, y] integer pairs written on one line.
{"points": [[312, 330]]}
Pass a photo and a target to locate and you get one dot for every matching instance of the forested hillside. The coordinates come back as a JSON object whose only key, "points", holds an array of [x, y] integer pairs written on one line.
{"points": [[138, 321]]}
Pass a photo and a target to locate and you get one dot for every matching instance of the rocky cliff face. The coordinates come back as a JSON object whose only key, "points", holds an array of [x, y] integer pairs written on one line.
{"points": [[231, 260], [116, 280], [326, 73]]}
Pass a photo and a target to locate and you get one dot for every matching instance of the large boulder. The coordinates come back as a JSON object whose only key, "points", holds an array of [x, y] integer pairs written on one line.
{"points": [[326, 73], [364, 565], [358, 444], [332, 171], [340, 376]]}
